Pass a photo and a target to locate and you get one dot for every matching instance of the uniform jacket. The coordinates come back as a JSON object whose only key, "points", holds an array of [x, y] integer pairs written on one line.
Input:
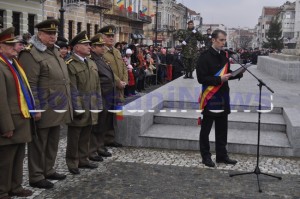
{"points": [[209, 63], [114, 59], [48, 78], [11, 118], [85, 89], [107, 81], [188, 50]]}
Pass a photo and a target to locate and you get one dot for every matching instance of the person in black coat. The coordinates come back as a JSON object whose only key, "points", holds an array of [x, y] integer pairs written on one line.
{"points": [[216, 108], [177, 64]]}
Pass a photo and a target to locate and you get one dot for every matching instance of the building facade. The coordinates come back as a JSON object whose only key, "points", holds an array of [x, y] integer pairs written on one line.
{"points": [[21, 14]]}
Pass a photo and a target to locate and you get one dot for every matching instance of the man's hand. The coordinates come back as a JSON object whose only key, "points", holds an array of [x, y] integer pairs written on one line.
{"points": [[121, 84], [194, 31], [183, 43], [224, 78], [8, 134], [37, 116]]}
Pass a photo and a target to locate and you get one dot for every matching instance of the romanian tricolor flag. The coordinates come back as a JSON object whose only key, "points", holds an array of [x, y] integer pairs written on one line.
{"points": [[129, 8], [209, 91], [120, 4]]}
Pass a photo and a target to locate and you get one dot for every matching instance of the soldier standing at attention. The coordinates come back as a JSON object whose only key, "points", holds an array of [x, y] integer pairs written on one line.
{"points": [[49, 80], [86, 96], [189, 39], [115, 60], [15, 118], [108, 92]]}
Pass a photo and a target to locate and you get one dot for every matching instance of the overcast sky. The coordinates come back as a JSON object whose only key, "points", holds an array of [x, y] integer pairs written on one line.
{"points": [[232, 13]]}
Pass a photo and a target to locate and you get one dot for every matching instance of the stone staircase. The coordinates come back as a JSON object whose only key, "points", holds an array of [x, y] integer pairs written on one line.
{"points": [[175, 126]]}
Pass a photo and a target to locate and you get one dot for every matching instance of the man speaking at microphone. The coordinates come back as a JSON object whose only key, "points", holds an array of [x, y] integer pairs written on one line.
{"points": [[213, 72]]}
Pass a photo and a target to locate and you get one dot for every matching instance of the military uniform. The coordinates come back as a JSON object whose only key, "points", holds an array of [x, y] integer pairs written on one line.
{"points": [[113, 57], [190, 37], [86, 95], [12, 150], [48, 77], [106, 119]]}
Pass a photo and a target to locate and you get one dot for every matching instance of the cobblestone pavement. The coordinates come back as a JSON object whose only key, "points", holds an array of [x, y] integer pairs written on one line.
{"points": [[156, 173]]}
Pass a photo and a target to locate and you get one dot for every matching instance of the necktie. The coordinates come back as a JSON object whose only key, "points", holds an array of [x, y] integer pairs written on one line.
{"points": [[86, 62]]}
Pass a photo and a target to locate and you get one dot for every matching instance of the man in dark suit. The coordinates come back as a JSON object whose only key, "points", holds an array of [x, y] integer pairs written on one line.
{"points": [[213, 72], [108, 90], [14, 120]]}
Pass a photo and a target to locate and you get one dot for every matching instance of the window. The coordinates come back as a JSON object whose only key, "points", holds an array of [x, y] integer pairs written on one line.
{"points": [[16, 22], [78, 27], [88, 30], [1, 18], [96, 28], [70, 30], [31, 18]]}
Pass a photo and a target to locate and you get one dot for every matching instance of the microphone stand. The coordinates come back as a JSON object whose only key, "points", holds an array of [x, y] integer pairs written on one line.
{"points": [[256, 171]]}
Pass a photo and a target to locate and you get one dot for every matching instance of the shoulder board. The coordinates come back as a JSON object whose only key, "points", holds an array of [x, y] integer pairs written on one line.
{"points": [[69, 61], [29, 47]]}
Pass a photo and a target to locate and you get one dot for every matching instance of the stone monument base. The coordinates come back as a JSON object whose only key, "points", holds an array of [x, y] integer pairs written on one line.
{"points": [[284, 67]]}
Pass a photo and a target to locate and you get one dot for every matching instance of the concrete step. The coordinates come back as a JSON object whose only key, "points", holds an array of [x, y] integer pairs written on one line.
{"points": [[236, 120], [239, 108], [239, 141]]}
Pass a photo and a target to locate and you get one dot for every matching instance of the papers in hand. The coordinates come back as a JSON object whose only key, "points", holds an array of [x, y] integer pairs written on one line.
{"points": [[239, 70]]}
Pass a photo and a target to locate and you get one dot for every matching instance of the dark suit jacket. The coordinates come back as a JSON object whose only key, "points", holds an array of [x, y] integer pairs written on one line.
{"points": [[107, 81], [209, 63]]}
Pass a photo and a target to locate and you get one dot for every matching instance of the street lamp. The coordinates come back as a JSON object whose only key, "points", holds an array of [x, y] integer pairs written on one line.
{"points": [[156, 23], [62, 21]]}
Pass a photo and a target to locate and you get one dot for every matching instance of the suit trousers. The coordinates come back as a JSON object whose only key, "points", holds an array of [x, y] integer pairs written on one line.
{"points": [[110, 134], [11, 168], [78, 146], [221, 129], [42, 153]]}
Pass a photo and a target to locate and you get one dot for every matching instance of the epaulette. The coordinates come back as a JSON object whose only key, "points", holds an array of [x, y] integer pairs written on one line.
{"points": [[69, 61], [29, 47]]}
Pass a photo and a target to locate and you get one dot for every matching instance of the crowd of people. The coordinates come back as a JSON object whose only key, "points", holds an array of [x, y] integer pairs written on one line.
{"points": [[46, 82]]}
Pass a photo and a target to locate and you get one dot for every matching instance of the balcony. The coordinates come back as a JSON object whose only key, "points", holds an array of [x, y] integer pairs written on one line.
{"points": [[124, 15], [145, 18], [98, 4], [94, 5]]}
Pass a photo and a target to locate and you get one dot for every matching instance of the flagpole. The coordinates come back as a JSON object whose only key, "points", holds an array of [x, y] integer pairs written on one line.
{"points": [[156, 23]]}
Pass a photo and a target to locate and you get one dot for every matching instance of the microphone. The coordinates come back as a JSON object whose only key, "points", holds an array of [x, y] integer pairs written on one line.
{"points": [[230, 52]]}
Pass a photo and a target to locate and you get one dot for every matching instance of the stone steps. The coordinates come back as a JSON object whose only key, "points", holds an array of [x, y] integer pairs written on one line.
{"points": [[239, 141], [236, 120]]}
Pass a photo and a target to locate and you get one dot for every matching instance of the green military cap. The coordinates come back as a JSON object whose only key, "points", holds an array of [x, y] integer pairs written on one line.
{"points": [[108, 30], [97, 39], [49, 25], [80, 38], [7, 36]]}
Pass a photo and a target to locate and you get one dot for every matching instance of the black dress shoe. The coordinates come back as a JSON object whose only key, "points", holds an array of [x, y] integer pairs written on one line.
{"points": [[114, 144], [96, 158], [74, 171], [88, 166], [104, 153], [23, 193], [56, 176], [226, 160], [42, 184], [208, 162]]}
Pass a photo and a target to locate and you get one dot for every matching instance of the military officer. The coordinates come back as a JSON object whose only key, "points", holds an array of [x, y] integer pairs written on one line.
{"points": [[48, 77], [108, 91], [15, 119], [189, 39], [114, 59], [86, 97]]}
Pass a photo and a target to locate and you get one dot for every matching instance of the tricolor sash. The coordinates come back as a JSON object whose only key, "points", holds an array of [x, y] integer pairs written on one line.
{"points": [[209, 91], [24, 94]]}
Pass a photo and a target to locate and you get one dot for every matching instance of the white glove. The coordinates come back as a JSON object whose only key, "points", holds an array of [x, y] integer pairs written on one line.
{"points": [[183, 43], [194, 31]]}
